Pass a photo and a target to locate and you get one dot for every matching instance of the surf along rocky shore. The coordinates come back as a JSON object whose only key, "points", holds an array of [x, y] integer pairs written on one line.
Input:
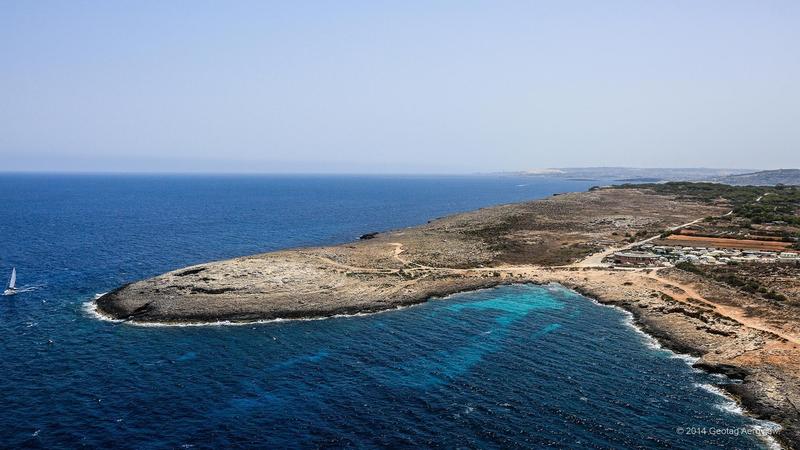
{"points": [[560, 239]]}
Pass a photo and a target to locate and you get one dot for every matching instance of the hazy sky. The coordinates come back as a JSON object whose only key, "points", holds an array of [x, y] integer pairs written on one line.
{"points": [[340, 86]]}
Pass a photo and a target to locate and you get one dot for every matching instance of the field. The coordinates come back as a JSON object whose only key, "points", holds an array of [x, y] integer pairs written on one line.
{"points": [[742, 244]]}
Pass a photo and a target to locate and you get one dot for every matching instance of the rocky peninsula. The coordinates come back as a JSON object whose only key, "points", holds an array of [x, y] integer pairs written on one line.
{"points": [[561, 239]]}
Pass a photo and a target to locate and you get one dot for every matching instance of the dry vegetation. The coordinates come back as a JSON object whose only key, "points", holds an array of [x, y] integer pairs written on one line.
{"points": [[742, 320]]}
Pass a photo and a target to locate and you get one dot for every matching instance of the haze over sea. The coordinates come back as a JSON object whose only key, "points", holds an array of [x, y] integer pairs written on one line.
{"points": [[517, 366]]}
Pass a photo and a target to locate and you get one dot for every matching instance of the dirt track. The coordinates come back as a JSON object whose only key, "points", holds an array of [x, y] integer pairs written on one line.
{"points": [[743, 244]]}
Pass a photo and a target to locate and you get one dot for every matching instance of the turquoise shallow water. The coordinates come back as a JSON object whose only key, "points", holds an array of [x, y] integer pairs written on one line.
{"points": [[513, 367]]}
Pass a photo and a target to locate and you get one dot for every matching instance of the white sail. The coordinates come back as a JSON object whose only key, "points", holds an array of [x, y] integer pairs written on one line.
{"points": [[13, 283]]}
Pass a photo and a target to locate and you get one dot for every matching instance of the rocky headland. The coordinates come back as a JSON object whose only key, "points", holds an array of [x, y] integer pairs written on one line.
{"points": [[560, 239]]}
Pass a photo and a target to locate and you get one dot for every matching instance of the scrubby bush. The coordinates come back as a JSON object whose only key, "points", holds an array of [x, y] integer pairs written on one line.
{"points": [[688, 267], [772, 295]]}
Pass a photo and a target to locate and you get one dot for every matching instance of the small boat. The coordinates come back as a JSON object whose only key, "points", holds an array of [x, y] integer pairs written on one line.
{"points": [[12, 284]]}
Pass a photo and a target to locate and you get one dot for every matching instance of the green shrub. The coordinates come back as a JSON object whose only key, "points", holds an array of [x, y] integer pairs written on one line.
{"points": [[772, 295], [688, 267]]}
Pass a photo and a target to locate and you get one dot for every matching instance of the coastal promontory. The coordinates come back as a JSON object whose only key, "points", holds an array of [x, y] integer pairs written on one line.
{"points": [[588, 241]]}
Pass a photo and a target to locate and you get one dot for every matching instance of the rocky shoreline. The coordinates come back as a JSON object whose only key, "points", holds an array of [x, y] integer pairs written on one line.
{"points": [[537, 242], [766, 390]]}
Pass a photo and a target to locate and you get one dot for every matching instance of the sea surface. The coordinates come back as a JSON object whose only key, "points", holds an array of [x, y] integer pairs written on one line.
{"points": [[513, 367]]}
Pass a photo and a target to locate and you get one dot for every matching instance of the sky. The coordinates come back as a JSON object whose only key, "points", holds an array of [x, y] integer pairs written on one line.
{"points": [[397, 87]]}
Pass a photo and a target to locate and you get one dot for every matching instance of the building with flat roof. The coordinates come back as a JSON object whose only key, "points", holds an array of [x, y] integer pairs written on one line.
{"points": [[636, 258]]}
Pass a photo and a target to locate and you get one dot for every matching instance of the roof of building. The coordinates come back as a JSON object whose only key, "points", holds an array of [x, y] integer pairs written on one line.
{"points": [[636, 255]]}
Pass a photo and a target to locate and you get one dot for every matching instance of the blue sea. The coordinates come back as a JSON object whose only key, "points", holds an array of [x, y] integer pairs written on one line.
{"points": [[514, 367]]}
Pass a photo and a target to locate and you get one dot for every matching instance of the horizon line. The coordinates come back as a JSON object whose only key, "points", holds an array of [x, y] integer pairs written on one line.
{"points": [[529, 172]]}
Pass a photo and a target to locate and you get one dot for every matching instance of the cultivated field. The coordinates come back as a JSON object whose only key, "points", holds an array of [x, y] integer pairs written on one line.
{"points": [[742, 244]]}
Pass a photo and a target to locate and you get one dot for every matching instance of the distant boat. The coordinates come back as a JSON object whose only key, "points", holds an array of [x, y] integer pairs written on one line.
{"points": [[12, 284]]}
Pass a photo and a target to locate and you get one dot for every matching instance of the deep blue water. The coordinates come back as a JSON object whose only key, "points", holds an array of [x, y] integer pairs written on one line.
{"points": [[518, 366]]}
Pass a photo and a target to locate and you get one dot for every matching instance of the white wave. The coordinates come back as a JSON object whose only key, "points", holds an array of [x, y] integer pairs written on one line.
{"points": [[728, 405], [629, 321], [649, 340], [764, 429], [90, 308], [688, 359], [558, 288]]}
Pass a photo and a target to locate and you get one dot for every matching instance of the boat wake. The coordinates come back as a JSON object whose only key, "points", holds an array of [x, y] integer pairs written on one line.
{"points": [[29, 289], [12, 288], [24, 289]]}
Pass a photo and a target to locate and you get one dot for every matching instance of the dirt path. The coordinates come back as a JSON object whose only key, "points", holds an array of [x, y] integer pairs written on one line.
{"points": [[398, 249], [731, 312], [339, 265], [596, 259]]}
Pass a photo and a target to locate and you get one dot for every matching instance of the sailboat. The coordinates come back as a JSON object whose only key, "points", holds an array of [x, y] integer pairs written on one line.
{"points": [[12, 284]]}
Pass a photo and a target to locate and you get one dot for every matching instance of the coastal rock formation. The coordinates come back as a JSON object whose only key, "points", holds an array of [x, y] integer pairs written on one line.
{"points": [[402, 267], [559, 239], [731, 333]]}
